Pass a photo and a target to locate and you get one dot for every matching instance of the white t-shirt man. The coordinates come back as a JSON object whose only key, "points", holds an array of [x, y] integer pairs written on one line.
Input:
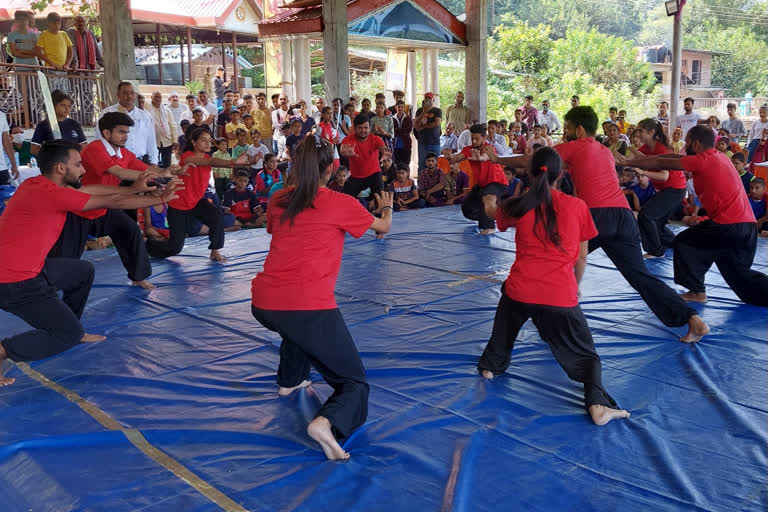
{"points": [[5, 164], [141, 138], [687, 121]]}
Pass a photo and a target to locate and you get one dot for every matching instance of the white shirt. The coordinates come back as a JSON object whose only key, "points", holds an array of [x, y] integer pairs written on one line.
{"points": [[279, 116], [549, 120], [756, 130], [211, 109], [254, 150], [4, 128], [465, 139], [177, 113], [166, 131], [141, 138], [687, 121]]}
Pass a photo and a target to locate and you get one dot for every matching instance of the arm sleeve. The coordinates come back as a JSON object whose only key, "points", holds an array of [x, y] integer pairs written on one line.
{"points": [[136, 164], [95, 160], [42, 132], [80, 134], [690, 164], [352, 216], [69, 199], [227, 200]]}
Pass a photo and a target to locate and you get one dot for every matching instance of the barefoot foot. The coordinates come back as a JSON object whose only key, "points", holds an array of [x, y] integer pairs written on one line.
{"points": [[6, 381], [651, 256], [694, 297], [602, 414], [287, 391], [320, 430], [217, 256], [697, 329], [487, 374], [147, 285], [486, 232], [92, 338]]}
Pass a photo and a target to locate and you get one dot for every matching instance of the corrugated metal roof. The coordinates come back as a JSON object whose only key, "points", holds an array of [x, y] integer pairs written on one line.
{"points": [[293, 15], [193, 8]]}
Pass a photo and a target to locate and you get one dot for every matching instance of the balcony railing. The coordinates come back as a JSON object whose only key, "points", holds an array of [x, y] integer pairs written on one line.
{"points": [[22, 101]]}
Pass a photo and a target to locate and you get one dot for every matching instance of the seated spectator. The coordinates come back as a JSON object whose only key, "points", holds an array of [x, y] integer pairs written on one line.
{"points": [[724, 146], [642, 192], [388, 170], [758, 150], [243, 203], [622, 123], [540, 137], [523, 126], [184, 124], [233, 127], [432, 182], [739, 162], [637, 142], [449, 140], [517, 140], [612, 140], [677, 144], [156, 222], [69, 128], [222, 175], [759, 199], [266, 180], [339, 179], [22, 147], [514, 187], [406, 194], [456, 184], [733, 146]]}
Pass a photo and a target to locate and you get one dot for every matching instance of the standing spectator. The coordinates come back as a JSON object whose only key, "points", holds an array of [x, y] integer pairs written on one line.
{"points": [[622, 123], [574, 101], [548, 119], [689, 119], [613, 115], [279, 117], [5, 176], [530, 114], [69, 128], [220, 86], [403, 125], [210, 108], [663, 116], [258, 152], [307, 121], [756, 131], [363, 150], [221, 175], [458, 113], [165, 128], [366, 108], [382, 125], [449, 141], [262, 120], [141, 139], [223, 118], [427, 128], [22, 42], [187, 115], [399, 96], [140, 101], [432, 182], [275, 102], [177, 109], [55, 46], [87, 53], [733, 124], [317, 110], [231, 129]]}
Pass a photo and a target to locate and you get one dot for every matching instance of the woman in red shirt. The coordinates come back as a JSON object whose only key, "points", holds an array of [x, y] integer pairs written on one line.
{"points": [[655, 236], [294, 297], [553, 230], [191, 202]]}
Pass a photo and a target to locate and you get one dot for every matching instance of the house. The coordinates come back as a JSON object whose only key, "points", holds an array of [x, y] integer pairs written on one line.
{"points": [[695, 71], [205, 59]]}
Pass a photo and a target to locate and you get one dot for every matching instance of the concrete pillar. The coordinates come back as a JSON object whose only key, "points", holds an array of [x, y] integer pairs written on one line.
{"points": [[434, 74], [302, 74], [677, 52], [119, 60], [476, 62], [273, 74], [426, 79], [286, 75], [410, 81], [336, 49]]}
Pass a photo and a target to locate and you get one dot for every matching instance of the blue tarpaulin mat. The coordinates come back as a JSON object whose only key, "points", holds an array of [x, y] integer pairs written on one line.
{"points": [[189, 369]]}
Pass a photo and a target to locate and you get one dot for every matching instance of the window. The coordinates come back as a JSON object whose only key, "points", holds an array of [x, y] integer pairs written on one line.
{"points": [[696, 72]]}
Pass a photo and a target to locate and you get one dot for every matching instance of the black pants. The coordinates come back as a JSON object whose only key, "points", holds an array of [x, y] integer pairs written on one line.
{"points": [[566, 332], [402, 156], [729, 246], [205, 212], [354, 186], [620, 240], [124, 232], [655, 236], [56, 322], [321, 339], [5, 177], [473, 207], [165, 156]]}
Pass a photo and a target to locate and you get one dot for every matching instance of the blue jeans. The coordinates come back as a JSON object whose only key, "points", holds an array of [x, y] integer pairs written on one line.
{"points": [[423, 150]]}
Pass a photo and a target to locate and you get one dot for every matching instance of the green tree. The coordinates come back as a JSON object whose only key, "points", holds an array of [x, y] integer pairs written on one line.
{"points": [[521, 48]]}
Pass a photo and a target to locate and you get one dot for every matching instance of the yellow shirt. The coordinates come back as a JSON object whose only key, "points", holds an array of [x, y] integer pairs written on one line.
{"points": [[55, 46], [232, 128], [262, 121]]}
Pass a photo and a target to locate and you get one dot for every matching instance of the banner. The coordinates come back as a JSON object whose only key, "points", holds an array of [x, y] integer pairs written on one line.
{"points": [[397, 64]]}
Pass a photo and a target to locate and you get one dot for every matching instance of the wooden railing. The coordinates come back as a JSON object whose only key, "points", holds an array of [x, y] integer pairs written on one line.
{"points": [[22, 102], [717, 106]]}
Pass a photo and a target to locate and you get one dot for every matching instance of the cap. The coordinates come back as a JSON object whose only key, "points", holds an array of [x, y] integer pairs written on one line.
{"points": [[398, 93], [173, 93], [428, 95]]}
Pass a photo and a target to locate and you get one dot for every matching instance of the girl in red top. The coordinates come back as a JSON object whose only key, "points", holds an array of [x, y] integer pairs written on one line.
{"points": [[191, 203], [294, 297], [655, 236], [553, 230]]}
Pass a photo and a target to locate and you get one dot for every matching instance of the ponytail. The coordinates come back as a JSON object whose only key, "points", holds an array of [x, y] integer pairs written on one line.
{"points": [[311, 158], [545, 169], [652, 125]]}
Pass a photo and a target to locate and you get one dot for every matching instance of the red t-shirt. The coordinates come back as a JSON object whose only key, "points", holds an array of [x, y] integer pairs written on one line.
{"points": [[304, 258], [543, 273], [31, 225], [367, 161], [593, 171], [96, 160], [719, 187], [195, 183], [675, 180], [485, 172]]}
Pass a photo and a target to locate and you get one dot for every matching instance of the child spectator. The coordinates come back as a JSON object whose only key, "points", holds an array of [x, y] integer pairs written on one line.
{"points": [[642, 192], [156, 222], [539, 136], [252, 133], [233, 127], [724, 146], [432, 182], [637, 141], [339, 179], [739, 162], [242, 143], [514, 187], [69, 128], [257, 152], [388, 170], [265, 181], [329, 133], [759, 199], [294, 138], [627, 180], [243, 203], [184, 123], [221, 175], [406, 195], [456, 184], [622, 123]]}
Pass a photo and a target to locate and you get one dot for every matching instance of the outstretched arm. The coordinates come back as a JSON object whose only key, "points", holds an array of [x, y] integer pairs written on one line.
{"points": [[581, 263]]}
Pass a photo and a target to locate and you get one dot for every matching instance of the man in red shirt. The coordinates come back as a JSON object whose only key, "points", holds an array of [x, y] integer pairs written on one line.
{"points": [[29, 282], [489, 179], [362, 150], [593, 171], [107, 162], [729, 238]]}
